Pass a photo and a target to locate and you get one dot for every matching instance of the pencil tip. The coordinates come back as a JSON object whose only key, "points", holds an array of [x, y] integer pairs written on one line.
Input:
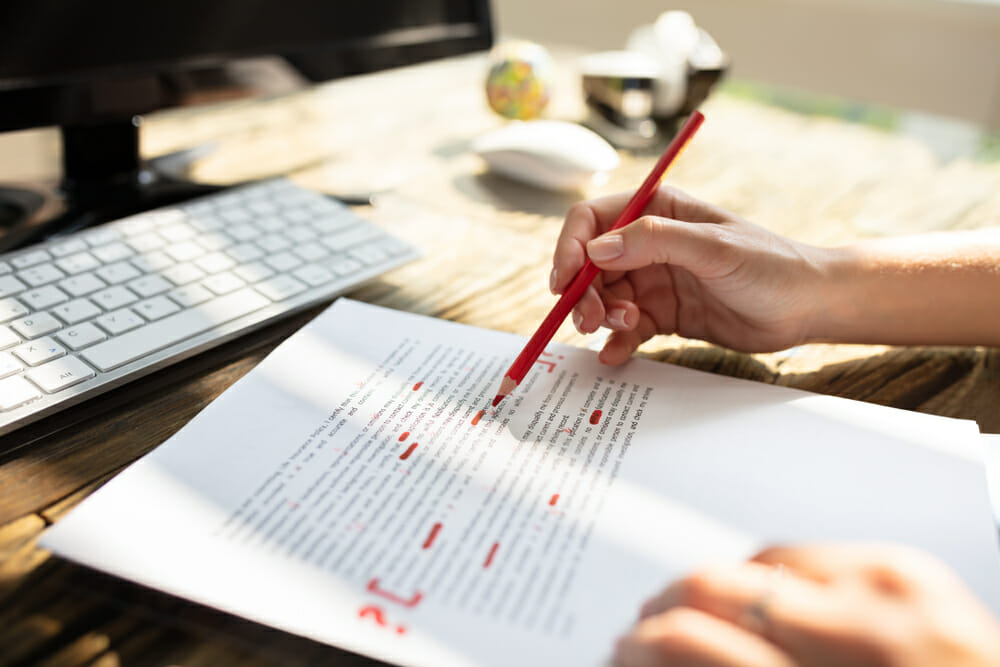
{"points": [[508, 385]]}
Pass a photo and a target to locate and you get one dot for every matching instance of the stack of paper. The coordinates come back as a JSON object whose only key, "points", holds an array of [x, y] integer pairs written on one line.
{"points": [[356, 489]]}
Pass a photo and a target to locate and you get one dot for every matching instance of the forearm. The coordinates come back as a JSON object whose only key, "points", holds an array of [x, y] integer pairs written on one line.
{"points": [[933, 289]]}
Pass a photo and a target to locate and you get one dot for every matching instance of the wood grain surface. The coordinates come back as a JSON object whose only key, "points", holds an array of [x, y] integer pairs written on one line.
{"points": [[487, 242]]}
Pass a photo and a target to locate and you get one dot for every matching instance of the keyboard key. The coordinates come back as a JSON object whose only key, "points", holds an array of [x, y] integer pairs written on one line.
{"points": [[119, 321], [40, 274], [344, 266], [149, 285], [155, 308], [82, 284], [30, 258], [244, 232], [60, 374], [182, 274], [114, 297], [223, 283], [175, 328], [9, 364], [68, 248], [112, 252], [11, 308], [77, 310], [254, 271], [36, 325], [8, 337], [80, 336], [15, 392], [280, 287], [176, 232], [100, 236], [313, 275], [310, 252], [144, 243], [79, 262], [245, 252], [44, 297], [370, 253], [9, 285], [190, 295], [184, 251], [213, 240], [39, 351], [273, 243], [215, 262], [151, 262], [118, 272], [283, 262]]}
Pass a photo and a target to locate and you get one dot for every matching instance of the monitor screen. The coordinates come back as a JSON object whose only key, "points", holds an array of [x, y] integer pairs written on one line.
{"points": [[55, 54], [93, 67]]}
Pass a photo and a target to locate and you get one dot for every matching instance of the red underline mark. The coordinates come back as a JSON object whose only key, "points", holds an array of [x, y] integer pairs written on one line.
{"points": [[418, 386], [479, 415], [493, 552], [405, 455], [404, 435], [595, 416], [411, 602], [554, 499], [433, 535]]}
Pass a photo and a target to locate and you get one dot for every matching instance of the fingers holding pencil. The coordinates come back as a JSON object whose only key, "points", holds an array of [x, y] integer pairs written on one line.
{"points": [[580, 285]]}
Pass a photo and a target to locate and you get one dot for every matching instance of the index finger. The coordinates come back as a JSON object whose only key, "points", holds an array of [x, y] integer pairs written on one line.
{"points": [[589, 219], [584, 221]]}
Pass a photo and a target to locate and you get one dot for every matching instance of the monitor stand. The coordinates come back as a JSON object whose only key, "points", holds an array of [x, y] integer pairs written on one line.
{"points": [[104, 178]]}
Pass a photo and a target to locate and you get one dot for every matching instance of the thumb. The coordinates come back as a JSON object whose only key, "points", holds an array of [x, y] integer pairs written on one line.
{"points": [[701, 248]]}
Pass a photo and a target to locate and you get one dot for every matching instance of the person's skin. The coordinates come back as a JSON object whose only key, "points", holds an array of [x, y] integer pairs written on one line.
{"points": [[693, 269], [832, 605]]}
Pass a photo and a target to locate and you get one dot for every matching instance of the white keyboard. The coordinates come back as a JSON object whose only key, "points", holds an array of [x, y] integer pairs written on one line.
{"points": [[95, 309]]}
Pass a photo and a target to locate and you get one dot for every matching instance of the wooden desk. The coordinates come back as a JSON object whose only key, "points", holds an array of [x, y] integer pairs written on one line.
{"points": [[488, 244]]}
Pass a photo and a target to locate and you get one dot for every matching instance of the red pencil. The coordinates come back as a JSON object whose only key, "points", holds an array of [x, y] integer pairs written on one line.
{"points": [[536, 344]]}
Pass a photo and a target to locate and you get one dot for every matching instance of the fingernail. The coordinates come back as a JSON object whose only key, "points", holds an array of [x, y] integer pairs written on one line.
{"points": [[578, 321], [606, 247], [616, 318], [552, 281]]}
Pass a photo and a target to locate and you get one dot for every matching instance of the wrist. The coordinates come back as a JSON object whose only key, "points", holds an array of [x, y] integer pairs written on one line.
{"points": [[935, 289], [842, 295]]}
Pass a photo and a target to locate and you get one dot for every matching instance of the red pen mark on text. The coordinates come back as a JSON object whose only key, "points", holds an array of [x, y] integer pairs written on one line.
{"points": [[404, 435], [429, 542], [418, 386], [479, 415], [554, 499], [550, 364], [595, 416], [379, 616], [412, 601], [405, 455], [493, 552]]}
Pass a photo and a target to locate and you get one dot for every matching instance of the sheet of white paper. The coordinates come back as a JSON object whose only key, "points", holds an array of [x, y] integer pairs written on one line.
{"points": [[351, 489]]}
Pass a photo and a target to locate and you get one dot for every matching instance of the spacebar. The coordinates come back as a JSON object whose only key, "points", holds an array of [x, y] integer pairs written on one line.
{"points": [[160, 334]]}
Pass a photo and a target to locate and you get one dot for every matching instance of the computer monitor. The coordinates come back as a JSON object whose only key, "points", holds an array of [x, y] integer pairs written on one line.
{"points": [[95, 67]]}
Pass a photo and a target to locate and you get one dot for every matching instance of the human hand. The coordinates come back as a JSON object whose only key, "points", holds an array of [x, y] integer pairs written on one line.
{"points": [[816, 606], [690, 268]]}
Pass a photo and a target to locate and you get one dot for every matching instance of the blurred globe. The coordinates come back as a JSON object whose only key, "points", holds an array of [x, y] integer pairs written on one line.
{"points": [[519, 83]]}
